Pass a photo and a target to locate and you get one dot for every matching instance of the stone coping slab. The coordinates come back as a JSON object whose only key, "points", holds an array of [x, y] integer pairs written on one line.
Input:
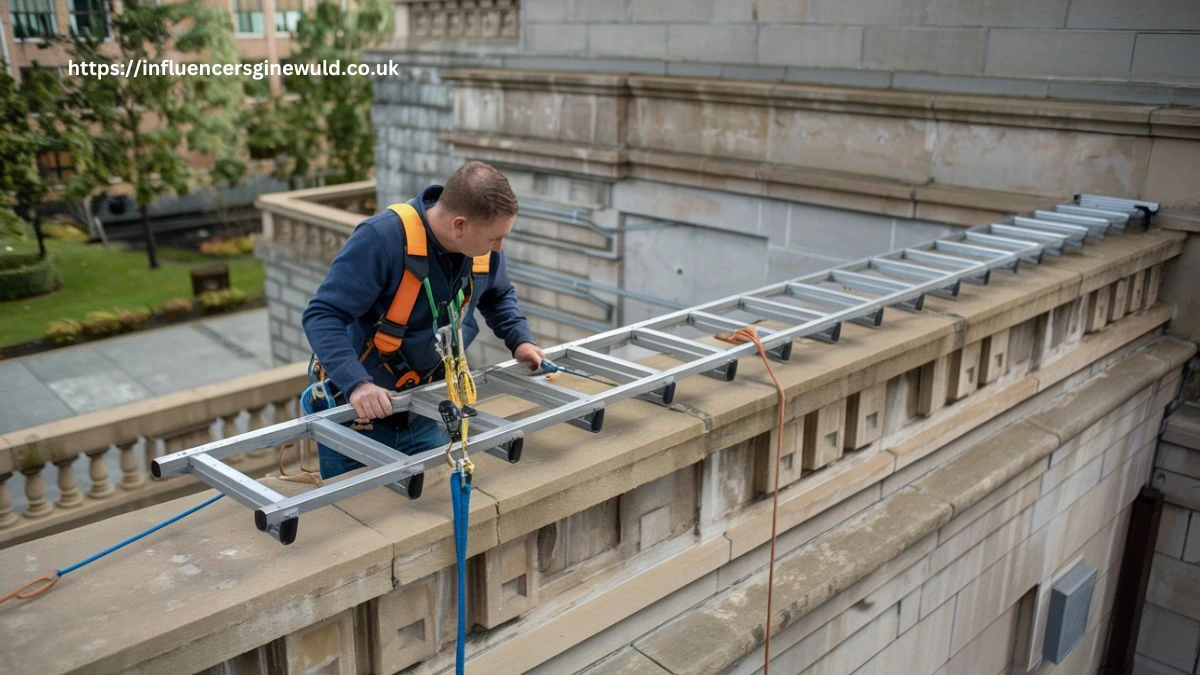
{"points": [[196, 580], [727, 626], [564, 470]]}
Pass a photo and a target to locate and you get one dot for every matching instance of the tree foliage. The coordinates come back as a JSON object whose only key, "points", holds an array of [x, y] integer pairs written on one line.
{"points": [[326, 117]]}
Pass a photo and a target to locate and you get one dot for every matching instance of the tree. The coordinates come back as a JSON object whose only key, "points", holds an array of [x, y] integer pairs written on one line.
{"points": [[328, 116], [141, 125], [28, 130]]}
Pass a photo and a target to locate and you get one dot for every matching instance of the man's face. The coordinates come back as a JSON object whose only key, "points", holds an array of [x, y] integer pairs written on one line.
{"points": [[477, 237]]}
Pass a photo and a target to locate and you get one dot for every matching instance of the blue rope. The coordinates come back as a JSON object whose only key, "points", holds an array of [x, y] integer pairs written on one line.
{"points": [[135, 537], [460, 498]]}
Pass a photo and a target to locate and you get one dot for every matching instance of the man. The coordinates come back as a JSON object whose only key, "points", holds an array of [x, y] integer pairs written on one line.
{"points": [[373, 320]]}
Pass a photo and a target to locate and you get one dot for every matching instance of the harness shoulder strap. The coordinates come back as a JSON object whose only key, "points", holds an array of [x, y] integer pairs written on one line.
{"points": [[390, 334], [481, 264]]}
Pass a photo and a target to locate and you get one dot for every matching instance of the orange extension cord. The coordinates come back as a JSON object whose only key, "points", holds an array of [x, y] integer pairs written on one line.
{"points": [[741, 336]]}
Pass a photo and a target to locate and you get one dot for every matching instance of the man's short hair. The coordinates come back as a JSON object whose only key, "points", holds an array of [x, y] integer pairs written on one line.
{"points": [[478, 191]]}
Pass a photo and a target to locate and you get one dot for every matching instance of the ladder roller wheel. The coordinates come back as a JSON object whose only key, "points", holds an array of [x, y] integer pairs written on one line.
{"points": [[514, 449], [288, 530], [730, 371], [668, 394], [415, 484]]}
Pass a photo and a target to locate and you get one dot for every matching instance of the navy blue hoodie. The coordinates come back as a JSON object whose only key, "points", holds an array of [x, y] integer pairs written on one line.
{"points": [[359, 288]]}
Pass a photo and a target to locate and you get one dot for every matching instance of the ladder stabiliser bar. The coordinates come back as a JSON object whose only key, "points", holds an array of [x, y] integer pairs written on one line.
{"points": [[813, 306]]}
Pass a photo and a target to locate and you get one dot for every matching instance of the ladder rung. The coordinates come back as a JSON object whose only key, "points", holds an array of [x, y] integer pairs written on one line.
{"points": [[359, 447], [684, 350], [999, 257], [1118, 219], [426, 405], [1102, 202], [953, 262], [1054, 242], [778, 311], [884, 287], [547, 395], [833, 298], [1100, 225], [719, 324], [267, 437], [1030, 251], [617, 370], [1072, 232], [232, 482]]}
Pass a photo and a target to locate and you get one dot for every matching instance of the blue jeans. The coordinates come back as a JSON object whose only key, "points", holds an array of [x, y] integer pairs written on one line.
{"points": [[421, 434]]}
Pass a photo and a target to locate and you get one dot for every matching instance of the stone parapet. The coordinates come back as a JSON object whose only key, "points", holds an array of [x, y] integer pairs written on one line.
{"points": [[138, 432], [661, 510]]}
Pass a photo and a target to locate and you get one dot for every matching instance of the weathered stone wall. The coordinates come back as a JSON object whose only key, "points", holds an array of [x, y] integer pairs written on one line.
{"points": [[1098, 49], [890, 436], [1094, 49], [1169, 642]]}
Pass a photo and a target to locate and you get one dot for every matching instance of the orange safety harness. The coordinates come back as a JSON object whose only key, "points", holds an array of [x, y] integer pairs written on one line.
{"points": [[391, 327]]}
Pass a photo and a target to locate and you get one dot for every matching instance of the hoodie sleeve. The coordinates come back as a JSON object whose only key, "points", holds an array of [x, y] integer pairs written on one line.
{"points": [[355, 281], [498, 304]]}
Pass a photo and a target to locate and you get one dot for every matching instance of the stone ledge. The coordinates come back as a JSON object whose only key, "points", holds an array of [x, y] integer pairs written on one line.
{"points": [[726, 627], [415, 537]]}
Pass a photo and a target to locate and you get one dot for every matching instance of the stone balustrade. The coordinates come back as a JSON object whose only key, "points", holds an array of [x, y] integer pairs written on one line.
{"points": [[597, 544], [139, 432]]}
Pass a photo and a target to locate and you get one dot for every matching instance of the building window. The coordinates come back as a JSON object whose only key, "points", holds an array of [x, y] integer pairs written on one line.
{"points": [[249, 16], [56, 164], [33, 19], [287, 15], [89, 17]]}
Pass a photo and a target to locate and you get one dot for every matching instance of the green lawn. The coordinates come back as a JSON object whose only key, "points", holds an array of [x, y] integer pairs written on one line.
{"points": [[96, 277]]}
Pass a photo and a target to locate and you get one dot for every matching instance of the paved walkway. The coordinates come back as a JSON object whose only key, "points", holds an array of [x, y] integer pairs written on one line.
{"points": [[65, 382]]}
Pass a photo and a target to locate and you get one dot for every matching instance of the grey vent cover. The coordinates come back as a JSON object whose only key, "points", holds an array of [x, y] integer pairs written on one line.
{"points": [[1070, 598]]}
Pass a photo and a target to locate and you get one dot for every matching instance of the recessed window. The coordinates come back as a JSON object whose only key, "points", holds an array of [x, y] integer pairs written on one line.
{"points": [[249, 15], [287, 15], [57, 165], [33, 19], [89, 17]]}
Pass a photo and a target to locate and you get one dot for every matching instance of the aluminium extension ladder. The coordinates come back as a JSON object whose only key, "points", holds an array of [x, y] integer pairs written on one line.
{"points": [[814, 306]]}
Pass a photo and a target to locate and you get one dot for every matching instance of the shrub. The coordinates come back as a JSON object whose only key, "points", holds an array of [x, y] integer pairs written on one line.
{"points": [[65, 230], [63, 331], [23, 275], [100, 324], [222, 300], [176, 309], [245, 244], [11, 225], [133, 319], [227, 248]]}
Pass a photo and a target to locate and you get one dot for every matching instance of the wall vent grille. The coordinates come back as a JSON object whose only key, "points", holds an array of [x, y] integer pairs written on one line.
{"points": [[1070, 599]]}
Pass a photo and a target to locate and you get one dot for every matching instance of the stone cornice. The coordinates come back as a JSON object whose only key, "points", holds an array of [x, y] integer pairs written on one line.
{"points": [[1118, 118]]}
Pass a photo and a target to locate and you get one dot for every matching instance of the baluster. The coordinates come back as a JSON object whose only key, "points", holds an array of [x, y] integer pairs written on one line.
{"points": [[98, 471], [263, 417], [35, 493], [131, 473], [68, 487], [229, 428], [7, 517]]}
